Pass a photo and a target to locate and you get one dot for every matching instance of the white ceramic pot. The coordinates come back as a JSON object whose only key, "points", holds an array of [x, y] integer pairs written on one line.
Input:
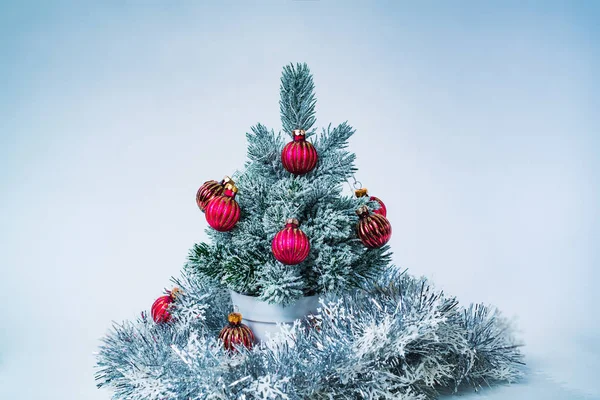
{"points": [[263, 317]]}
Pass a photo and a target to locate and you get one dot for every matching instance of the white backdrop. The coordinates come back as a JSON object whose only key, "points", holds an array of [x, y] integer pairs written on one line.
{"points": [[477, 126]]}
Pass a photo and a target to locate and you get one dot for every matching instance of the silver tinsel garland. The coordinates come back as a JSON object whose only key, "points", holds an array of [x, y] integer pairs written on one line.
{"points": [[395, 339]]}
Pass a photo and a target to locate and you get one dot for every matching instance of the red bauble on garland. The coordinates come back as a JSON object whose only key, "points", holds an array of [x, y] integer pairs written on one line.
{"points": [[299, 156], [290, 245], [236, 333], [209, 190], [382, 210], [374, 230], [161, 308], [223, 212]]}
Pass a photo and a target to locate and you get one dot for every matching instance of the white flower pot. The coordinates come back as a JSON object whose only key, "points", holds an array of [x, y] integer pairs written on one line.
{"points": [[263, 317]]}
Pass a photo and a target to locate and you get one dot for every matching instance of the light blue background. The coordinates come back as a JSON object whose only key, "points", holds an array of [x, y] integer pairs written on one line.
{"points": [[477, 125]]}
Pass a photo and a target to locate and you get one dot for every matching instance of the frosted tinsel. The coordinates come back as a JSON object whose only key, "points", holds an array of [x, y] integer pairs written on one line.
{"points": [[396, 339]]}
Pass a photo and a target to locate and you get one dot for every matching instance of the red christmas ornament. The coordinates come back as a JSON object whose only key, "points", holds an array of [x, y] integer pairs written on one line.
{"points": [[374, 230], [236, 333], [160, 308], [299, 156], [290, 245], [382, 210], [223, 212], [210, 189]]}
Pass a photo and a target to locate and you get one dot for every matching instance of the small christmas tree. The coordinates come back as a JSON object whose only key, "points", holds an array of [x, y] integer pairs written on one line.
{"points": [[242, 259], [282, 231]]}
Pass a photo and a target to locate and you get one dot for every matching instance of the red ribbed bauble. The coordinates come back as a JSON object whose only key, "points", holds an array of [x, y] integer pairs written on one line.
{"points": [[223, 212], [210, 189], [290, 245], [236, 333], [381, 210], [374, 230], [162, 305], [299, 156]]}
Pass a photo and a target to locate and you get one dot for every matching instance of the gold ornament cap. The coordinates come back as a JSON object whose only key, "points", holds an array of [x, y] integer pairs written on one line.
{"points": [[175, 292], [227, 180], [299, 132], [292, 221], [232, 187], [362, 210], [234, 318], [361, 192]]}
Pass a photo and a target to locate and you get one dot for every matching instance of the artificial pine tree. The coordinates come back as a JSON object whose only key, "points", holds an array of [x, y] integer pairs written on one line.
{"points": [[242, 259], [292, 234]]}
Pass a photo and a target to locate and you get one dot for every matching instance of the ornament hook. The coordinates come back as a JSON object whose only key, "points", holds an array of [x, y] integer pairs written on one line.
{"points": [[356, 184]]}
